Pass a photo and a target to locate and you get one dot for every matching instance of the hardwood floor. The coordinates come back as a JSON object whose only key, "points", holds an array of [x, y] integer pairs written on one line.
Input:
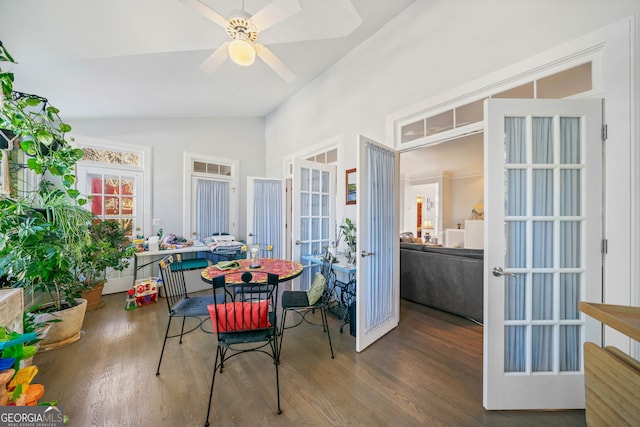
{"points": [[426, 372]]}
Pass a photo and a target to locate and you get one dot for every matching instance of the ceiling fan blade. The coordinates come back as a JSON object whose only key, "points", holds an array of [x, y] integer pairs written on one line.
{"points": [[275, 12], [274, 62], [207, 12], [216, 58]]}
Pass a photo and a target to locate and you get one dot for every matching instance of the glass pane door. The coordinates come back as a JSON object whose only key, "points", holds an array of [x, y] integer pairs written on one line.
{"points": [[314, 199], [545, 225], [113, 197], [116, 194], [543, 198]]}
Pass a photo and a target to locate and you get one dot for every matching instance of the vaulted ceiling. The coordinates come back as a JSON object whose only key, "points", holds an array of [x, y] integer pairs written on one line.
{"points": [[140, 59]]}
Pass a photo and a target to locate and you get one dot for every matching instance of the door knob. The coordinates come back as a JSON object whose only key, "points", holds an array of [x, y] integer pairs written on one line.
{"points": [[365, 253], [499, 272], [298, 242]]}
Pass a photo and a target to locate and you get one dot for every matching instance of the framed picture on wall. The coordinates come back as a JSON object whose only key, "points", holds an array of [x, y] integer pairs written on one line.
{"points": [[350, 180]]}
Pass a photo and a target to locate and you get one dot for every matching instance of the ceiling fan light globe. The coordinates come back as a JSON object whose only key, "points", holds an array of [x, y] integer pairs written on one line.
{"points": [[242, 52]]}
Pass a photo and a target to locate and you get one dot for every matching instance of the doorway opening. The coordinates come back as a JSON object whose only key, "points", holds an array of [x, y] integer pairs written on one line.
{"points": [[450, 179]]}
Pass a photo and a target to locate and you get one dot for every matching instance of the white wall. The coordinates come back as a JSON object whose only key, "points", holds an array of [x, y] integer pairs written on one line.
{"points": [[429, 48], [239, 139], [463, 155], [435, 46], [461, 195], [465, 194], [410, 214], [462, 162]]}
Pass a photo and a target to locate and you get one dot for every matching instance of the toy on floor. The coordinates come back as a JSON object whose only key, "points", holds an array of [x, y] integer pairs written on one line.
{"points": [[16, 388], [145, 291], [22, 392], [5, 377], [12, 347], [130, 302]]}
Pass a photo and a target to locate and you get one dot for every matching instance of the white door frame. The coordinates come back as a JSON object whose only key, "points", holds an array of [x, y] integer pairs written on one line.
{"points": [[251, 182], [121, 281], [287, 172], [188, 190], [145, 168], [368, 334], [614, 52], [528, 389], [298, 242]]}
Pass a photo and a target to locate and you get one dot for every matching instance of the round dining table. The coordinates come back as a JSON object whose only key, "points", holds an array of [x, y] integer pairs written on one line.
{"points": [[284, 268]]}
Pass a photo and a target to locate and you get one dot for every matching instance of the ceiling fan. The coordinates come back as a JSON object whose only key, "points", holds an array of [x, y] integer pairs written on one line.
{"points": [[244, 31]]}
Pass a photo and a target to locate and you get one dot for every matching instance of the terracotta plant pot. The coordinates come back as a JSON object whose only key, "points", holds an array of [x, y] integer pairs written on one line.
{"points": [[94, 297], [66, 332]]}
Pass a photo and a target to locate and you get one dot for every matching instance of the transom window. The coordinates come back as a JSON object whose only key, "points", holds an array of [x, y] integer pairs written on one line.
{"points": [[563, 84], [100, 155], [326, 157], [210, 197], [211, 168]]}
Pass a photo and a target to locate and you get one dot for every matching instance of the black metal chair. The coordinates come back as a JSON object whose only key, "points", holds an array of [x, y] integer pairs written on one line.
{"points": [[179, 302], [245, 321], [345, 293], [306, 302], [326, 269]]}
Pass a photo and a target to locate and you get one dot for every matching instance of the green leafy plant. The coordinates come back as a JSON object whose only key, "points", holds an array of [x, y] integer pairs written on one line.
{"points": [[36, 254], [348, 231], [31, 324], [107, 247], [38, 129], [43, 228]]}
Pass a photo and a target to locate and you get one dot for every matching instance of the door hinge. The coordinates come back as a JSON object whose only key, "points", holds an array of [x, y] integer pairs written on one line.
{"points": [[604, 132], [604, 247]]}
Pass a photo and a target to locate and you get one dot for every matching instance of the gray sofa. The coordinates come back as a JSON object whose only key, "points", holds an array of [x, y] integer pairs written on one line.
{"points": [[448, 279]]}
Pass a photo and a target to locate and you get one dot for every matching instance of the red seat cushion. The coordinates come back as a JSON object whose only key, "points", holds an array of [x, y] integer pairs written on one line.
{"points": [[239, 316]]}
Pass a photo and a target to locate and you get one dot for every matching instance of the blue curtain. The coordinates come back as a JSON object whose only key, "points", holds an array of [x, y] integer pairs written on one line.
{"points": [[547, 224], [380, 234], [516, 205], [212, 207], [571, 189], [267, 216]]}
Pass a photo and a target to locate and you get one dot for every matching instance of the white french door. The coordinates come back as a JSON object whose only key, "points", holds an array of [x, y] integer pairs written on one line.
{"points": [[314, 186], [213, 208], [544, 228], [116, 194], [378, 247], [265, 215]]}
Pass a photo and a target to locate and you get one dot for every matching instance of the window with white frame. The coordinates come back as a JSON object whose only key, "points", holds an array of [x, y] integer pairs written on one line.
{"points": [[114, 180], [210, 199], [466, 114], [327, 157]]}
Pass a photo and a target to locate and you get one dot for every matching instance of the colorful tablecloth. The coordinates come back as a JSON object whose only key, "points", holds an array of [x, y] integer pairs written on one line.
{"points": [[284, 268]]}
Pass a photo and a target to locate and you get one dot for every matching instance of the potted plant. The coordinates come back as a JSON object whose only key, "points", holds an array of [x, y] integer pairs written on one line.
{"points": [[40, 132], [348, 231], [41, 228], [37, 253], [107, 247]]}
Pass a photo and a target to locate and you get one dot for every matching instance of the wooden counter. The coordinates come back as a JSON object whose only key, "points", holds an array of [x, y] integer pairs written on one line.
{"points": [[611, 377], [622, 318]]}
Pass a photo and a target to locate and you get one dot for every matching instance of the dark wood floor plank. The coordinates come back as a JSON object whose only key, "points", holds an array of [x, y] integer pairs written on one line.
{"points": [[426, 372]]}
